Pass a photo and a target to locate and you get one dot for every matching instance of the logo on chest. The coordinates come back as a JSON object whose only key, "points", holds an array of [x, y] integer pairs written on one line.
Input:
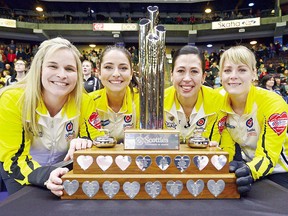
{"points": [[94, 120], [221, 124], [201, 122], [70, 132], [128, 121]]}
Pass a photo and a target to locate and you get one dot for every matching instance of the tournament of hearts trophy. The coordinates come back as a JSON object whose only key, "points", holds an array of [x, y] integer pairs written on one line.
{"points": [[151, 164]]}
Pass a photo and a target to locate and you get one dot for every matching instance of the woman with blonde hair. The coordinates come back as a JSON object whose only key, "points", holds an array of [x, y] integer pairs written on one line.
{"points": [[256, 121], [40, 115]]}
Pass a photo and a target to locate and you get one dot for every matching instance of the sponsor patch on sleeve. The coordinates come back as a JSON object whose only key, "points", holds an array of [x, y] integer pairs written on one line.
{"points": [[278, 122], [94, 120], [221, 124]]}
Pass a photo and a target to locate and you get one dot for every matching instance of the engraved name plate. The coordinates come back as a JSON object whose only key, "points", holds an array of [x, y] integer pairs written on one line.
{"points": [[182, 162], [153, 188], [200, 161], [174, 188], [216, 188], [90, 188], [131, 189], [70, 187], [163, 162], [111, 188], [143, 162], [195, 188], [151, 139]]}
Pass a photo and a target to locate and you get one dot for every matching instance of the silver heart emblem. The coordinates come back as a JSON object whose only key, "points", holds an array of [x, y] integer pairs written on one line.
{"points": [[70, 187], [182, 162], [90, 188], [131, 189], [219, 161], [104, 162], [123, 162], [111, 188], [200, 161], [195, 188], [216, 188], [174, 188], [163, 162], [84, 161], [143, 162], [153, 188]]}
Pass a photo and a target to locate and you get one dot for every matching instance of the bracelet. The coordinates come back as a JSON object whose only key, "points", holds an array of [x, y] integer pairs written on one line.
{"points": [[46, 182]]}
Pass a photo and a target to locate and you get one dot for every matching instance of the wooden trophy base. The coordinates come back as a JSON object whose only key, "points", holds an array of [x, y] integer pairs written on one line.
{"points": [[115, 173]]}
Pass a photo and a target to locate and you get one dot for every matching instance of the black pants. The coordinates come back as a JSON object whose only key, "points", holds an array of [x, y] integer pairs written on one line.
{"points": [[279, 178], [11, 185]]}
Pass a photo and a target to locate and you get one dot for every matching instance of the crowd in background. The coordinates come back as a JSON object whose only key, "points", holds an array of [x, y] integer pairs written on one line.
{"points": [[272, 61]]}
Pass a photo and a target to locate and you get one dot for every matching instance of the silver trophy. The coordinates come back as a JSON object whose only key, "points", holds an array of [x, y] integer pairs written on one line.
{"points": [[151, 77]]}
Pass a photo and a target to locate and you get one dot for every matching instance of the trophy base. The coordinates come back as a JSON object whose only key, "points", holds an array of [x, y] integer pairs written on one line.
{"points": [[151, 139]]}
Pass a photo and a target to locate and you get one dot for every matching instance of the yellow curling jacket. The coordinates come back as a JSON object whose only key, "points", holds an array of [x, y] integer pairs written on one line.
{"points": [[30, 159], [204, 114], [116, 123], [261, 132]]}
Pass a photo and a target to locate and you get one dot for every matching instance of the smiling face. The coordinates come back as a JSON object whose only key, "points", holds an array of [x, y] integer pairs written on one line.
{"points": [[237, 71], [115, 71], [187, 76], [236, 78], [59, 75]]}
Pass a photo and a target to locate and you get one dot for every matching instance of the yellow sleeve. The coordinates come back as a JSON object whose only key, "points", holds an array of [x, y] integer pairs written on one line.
{"points": [[14, 142]]}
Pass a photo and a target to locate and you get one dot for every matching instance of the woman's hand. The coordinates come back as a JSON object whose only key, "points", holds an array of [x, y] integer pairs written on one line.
{"points": [[213, 144], [54, 183], [77, 144]]}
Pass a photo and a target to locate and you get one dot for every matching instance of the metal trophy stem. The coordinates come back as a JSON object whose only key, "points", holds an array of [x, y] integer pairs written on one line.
{"points": [[151, 68]]}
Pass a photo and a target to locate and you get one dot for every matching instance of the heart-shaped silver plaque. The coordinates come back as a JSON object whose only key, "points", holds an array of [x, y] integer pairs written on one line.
{"points": [[216, 188], [163, 162], [195, 188], [123, 162], [111, 188], [143, 162], [182, 162], [174, 188], [219, 161], [70, 187], [85, 161], [152, 8], [104, 162], [153, 188], [131, 189], [90, 188], [200, 161]]}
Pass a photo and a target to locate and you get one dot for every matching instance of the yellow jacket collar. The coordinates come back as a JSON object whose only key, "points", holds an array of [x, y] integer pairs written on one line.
{"points": [[103, 101]]}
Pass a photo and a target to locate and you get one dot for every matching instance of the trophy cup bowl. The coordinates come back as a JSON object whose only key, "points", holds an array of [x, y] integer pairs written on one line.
{"points": [[198, 142], [105, 141]]}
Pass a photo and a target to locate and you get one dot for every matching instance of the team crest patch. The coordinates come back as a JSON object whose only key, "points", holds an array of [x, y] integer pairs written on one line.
{"points": [[201, 122], [127, 118], [221, 124], [249, 122], [278, 122], [69, 126], [94, 120]]}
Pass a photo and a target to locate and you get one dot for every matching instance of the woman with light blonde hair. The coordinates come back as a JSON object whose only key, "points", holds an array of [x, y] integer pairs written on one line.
{"points": [[255, 120], [40, 115]]}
